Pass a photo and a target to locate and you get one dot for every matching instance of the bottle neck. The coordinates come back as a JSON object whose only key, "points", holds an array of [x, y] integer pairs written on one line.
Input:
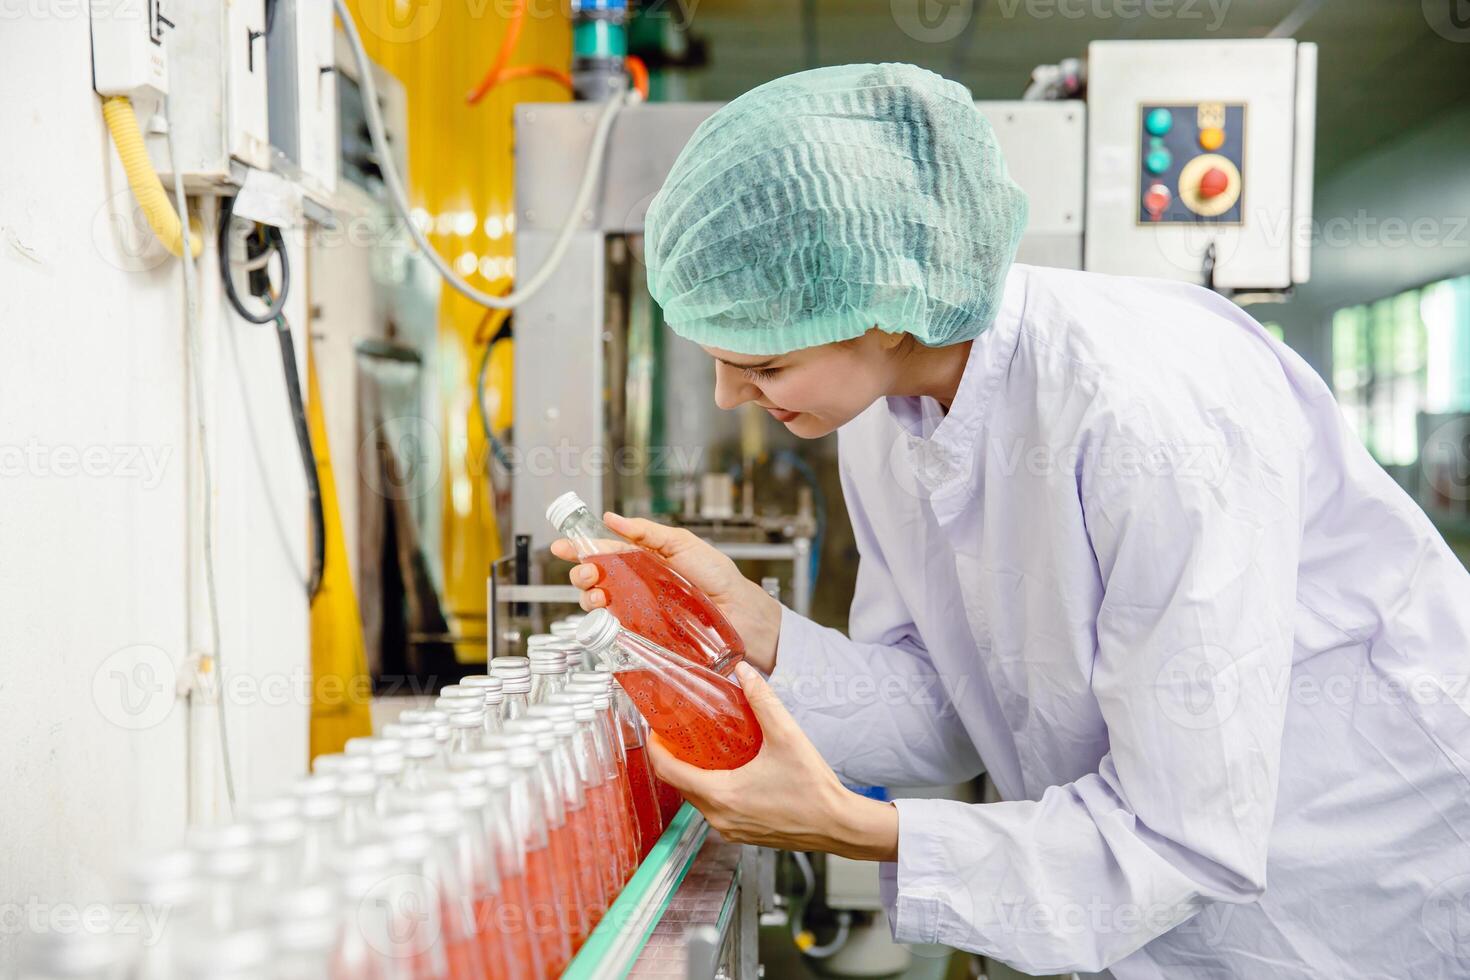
{"points": [[589, 536]]}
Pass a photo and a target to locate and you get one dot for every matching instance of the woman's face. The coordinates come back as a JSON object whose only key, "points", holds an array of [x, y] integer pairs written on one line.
{"points": [[814, 390]]}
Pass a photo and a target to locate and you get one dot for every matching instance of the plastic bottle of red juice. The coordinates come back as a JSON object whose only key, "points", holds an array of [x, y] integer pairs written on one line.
{"points": [[647, 596], [702, 716]]}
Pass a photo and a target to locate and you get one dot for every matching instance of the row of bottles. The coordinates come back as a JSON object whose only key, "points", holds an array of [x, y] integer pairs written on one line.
{"points": [[485, 837]]}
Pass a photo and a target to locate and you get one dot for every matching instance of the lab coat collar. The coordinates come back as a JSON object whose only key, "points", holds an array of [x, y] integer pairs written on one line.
{"points": [[940, 447]]}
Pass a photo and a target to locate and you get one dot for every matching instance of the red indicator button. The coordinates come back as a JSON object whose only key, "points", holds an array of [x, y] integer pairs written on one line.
{"points": [[1213, 182], [1156, 200]]}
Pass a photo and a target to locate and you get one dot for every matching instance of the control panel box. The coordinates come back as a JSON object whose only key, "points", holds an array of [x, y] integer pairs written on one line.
{"points": [[127, 53], [303, 94], [1199, 161], [217, 83], [1192, 163]]}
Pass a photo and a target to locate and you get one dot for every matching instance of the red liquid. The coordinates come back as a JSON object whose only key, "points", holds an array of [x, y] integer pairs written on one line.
{"points": [[669, 800], [645, 803], [702, 717], [651, 599], [504, 921], [569, 891], [541, 913], [600, 801], [464, 959], [589, 872], [627, 815]]}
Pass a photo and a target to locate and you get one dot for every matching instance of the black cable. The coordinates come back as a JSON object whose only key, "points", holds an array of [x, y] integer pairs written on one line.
{"points": [[268, 238], [274, 240], [308, 456]]}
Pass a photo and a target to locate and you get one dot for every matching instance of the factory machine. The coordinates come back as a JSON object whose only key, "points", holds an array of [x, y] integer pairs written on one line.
{"points": [[1185, 160]]}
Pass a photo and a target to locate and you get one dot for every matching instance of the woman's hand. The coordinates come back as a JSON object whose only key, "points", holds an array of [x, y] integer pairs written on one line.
{"points": [[787, 796], [755, 615]]}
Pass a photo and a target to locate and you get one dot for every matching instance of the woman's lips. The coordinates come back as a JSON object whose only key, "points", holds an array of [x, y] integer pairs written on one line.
{"points": [[781, 415]]}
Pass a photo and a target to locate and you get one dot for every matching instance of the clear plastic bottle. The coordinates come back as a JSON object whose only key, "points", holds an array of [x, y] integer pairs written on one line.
{"points": [[592, 709], [482, 868], [557, 783], [456, 697], [648, 596], [599, 684], [420, 755], [359, 820], [548, 672], [280, 847], [459, 865], [531, 809], [306, 930], [490, 769], [492, 690], [226, 864], [515, 679], [367, 880], [168, 888], [576, 770], [321, 811], [418, 934], [466, 730], [702, 716], [604, 797], [565, 628]]}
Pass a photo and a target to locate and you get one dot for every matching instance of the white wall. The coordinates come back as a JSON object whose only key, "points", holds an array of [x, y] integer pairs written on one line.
{"points": [[95, 545], [1394, 219]]}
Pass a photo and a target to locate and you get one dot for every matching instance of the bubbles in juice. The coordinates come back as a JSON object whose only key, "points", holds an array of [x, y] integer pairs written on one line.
{"points": [[651, 599], [702, 717]]}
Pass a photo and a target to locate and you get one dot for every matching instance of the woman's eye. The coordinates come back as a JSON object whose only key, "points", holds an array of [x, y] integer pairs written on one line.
{"points": [[760, 374]]}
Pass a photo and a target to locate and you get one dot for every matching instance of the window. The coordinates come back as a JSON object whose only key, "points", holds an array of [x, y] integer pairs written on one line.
{"points": [[1398, 357]]}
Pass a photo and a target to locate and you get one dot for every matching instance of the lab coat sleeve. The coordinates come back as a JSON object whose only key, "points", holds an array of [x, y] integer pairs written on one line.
{"points": [[1197, 553], [873, 705]]}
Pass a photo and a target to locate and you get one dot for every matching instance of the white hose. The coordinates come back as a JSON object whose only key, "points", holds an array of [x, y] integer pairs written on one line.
{"points": [[196, 381], [399, 197]]}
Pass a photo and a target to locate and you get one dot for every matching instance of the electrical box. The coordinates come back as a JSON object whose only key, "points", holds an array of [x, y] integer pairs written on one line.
{"points": [[217, 82], [357, 161], [303, 94], [1199, 161], [127, 52]]}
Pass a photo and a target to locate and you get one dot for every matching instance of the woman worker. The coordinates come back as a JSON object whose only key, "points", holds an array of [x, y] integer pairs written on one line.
{"points": [[1117, 545]]}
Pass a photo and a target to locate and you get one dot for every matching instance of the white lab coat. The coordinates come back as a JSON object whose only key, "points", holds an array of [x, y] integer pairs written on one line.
{"points": [[1213, 658]]}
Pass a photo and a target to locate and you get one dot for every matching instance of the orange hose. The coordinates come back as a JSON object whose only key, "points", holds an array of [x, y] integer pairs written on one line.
{"points": [[638, 72], [507, 48], [536, 71]]}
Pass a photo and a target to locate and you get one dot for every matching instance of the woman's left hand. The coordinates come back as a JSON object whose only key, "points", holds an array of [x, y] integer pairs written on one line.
{"points": [[787, 796]]}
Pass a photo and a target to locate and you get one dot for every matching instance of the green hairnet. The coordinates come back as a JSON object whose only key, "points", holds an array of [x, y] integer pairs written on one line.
{"points": [[828, 202]]}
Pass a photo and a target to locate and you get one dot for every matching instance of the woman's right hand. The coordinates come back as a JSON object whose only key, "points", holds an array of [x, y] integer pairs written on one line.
{"points": [[755, 615]]}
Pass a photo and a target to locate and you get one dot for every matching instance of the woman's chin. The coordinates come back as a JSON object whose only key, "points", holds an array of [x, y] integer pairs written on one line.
{"points": [[808, 426]]}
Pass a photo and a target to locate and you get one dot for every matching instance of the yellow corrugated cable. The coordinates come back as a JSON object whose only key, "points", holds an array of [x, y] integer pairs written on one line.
{"points": [[143, 179]]}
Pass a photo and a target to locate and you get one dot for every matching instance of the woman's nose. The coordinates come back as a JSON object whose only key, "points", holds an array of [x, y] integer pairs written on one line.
{"points": [[731, 388]]}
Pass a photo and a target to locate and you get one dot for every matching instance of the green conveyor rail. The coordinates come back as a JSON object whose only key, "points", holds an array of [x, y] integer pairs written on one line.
{"points": [[615, 944]]}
